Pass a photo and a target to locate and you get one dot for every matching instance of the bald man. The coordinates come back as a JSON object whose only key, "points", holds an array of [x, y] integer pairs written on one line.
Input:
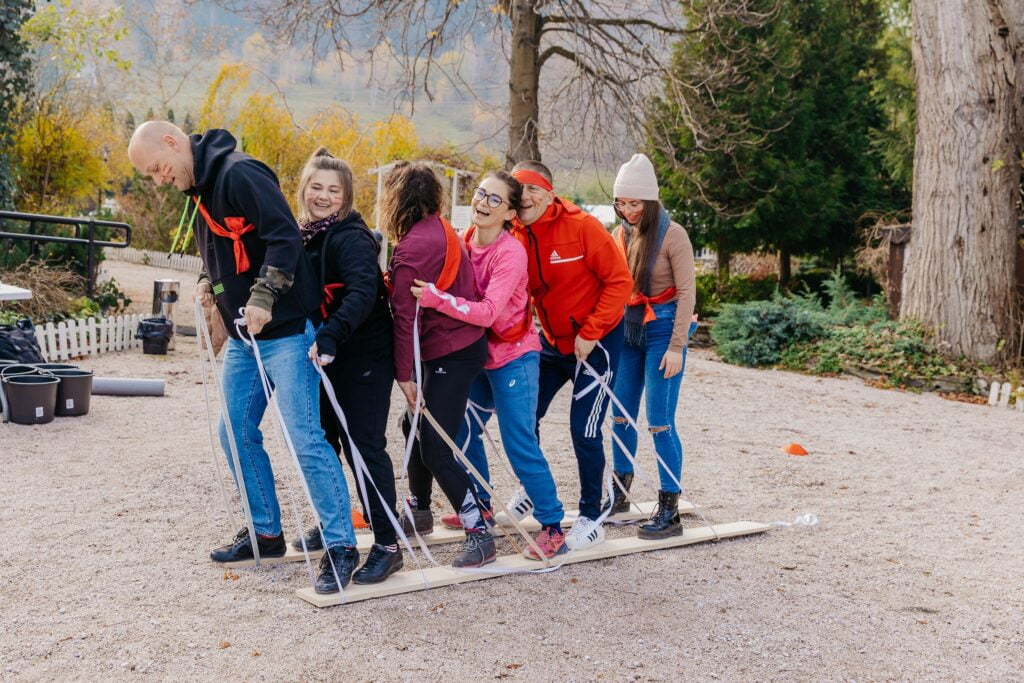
{"points": [[254, 263]]}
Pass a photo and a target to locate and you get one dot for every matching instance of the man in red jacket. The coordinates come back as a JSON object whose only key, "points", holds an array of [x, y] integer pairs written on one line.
{"points": [[580, 283]]}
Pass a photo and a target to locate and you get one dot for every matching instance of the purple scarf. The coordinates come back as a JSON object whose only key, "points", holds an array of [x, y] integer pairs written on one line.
{"points": [[313, 228]]}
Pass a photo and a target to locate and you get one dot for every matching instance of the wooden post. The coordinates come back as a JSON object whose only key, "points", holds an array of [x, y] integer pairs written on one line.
{"points": [[898, 237]]}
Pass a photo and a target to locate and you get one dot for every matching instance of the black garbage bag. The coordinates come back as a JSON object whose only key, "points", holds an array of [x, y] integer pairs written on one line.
{"points": [[155, 334], [18, 343]]}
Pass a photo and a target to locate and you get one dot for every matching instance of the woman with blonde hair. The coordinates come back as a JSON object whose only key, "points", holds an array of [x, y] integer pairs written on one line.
{"points": [[353, 343], [452, 352]]}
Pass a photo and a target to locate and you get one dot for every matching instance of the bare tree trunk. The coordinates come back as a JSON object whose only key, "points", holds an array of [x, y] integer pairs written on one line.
{"points": [[724, 255], [524, 83], [785, 267], [959, 275]]}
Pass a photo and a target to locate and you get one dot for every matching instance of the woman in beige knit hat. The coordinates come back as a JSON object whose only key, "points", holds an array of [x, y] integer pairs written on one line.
{"points": [[658, 325]]}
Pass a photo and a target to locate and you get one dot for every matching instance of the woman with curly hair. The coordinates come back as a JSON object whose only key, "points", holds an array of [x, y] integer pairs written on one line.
{"points": [[453, 352]]}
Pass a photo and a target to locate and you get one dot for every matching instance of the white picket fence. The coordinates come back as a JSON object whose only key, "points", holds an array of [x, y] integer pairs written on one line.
{"points": [[187, 263], [999, 395], [88, 337]]}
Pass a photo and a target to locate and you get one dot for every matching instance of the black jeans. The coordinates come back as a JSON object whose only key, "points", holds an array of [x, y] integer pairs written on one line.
{"points": [[446, 383], [362, 382]]}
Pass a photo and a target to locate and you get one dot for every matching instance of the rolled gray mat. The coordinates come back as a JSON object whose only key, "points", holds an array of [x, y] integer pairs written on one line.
{"points": [[117, 386]]}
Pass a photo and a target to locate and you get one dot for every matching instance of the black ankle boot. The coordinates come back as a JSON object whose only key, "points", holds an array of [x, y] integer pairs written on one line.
{"points": [[619, 501], [379, 565], [241, 548], [314, 541], [336, 565], [423, 520], [665, 521]]}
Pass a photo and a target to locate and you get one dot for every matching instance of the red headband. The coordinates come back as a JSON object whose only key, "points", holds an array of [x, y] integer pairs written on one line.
{"points": [[532, 178]]}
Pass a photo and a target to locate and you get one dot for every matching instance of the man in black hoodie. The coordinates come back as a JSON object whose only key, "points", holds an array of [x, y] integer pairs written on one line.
{"points": [[255, 268]]}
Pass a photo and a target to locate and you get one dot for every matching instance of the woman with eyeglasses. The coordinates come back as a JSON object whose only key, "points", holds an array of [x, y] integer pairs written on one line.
{"points": [[658, 325], [452, 352], [509, 382]]}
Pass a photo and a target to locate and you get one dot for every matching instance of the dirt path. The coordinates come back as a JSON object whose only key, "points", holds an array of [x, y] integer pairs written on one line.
{"points": [[914, 571]]}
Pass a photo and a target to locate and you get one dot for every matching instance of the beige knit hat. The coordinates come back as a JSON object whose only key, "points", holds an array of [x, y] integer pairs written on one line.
{"points": [[636, 179]]}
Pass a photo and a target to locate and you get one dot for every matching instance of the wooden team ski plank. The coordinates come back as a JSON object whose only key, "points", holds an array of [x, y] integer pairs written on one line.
{"points": [[410, 581], [442, 535]]}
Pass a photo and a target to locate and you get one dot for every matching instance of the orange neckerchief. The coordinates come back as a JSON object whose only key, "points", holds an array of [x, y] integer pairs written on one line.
{"points": [[236, 227], [520, 330], [329, 297], [638, 299], [452, 256], [452, 259]]}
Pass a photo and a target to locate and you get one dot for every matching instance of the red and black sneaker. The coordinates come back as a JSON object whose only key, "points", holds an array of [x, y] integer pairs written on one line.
{"points": [[550, 542], [452, 521]]}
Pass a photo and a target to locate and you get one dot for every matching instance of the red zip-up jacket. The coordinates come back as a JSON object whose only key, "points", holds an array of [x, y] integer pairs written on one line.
{"points": [[579, 278]]}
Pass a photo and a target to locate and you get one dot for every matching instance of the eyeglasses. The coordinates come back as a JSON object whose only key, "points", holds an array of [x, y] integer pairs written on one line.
{"points": [[493, 200], [635, 205]]}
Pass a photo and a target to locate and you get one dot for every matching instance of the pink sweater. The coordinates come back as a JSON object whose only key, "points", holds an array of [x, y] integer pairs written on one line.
{"points": [[501, 276]]}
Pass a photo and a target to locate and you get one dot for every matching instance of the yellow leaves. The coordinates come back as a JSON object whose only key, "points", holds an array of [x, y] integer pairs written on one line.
{"points": [[68, 35], [231, 80], [58, 154], [997, 165], [265, 129]]}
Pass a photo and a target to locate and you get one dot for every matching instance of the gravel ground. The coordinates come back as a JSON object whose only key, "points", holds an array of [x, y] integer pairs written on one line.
{"points": [[914, 571]]}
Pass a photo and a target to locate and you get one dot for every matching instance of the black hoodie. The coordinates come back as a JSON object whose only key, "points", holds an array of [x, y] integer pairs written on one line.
{"points": [[359, 317], [279, 278]]}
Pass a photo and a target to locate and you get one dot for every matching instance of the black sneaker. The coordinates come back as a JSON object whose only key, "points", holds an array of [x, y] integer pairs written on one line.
{"points": [[422, 519], [379, 565], [314, 541], [241, 548], [336, 565], [477, 550], [619, 502]]}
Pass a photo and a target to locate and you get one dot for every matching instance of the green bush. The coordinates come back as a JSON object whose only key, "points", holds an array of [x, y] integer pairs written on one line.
{"points": [[900, 351], [739, 289], [759, 332], [755, 333]]}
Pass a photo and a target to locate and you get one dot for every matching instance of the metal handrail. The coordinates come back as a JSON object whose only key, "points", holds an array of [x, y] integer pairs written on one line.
{"points": [[77, 223]]}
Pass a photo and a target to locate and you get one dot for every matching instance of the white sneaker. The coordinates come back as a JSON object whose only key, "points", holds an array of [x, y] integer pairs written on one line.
{"points": [[584, 533], [520, 506]]}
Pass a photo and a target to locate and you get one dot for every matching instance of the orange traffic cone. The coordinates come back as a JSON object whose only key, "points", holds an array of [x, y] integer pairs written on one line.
{"points": [[358, 521], [794, 449]]}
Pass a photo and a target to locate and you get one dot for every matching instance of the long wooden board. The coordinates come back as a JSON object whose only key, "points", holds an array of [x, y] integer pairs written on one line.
{"points": [[413, 580], [443, 535]]}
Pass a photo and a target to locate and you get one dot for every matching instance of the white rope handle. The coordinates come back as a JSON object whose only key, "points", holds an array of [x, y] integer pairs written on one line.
{"points": [[232, 446], [648, 441], [272, 400], [215, 456]]}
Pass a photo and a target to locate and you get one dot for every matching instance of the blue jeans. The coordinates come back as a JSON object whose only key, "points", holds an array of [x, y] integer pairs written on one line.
{"points": [[586, 414], [297, 391], [511, 391], [638, 369]]}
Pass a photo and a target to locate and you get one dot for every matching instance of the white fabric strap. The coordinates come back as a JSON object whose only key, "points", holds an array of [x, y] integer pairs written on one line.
{"points": [[272, 400], [232, 446], [648, 441]]}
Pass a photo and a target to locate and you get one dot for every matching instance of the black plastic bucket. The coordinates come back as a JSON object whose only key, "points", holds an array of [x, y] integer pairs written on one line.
{"points": [[50, 367], [12, 370], [31, 398], [73, 392], [155, 334]]}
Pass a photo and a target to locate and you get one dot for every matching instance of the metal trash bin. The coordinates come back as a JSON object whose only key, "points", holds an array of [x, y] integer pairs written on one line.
{"points": [[165, 295]]}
